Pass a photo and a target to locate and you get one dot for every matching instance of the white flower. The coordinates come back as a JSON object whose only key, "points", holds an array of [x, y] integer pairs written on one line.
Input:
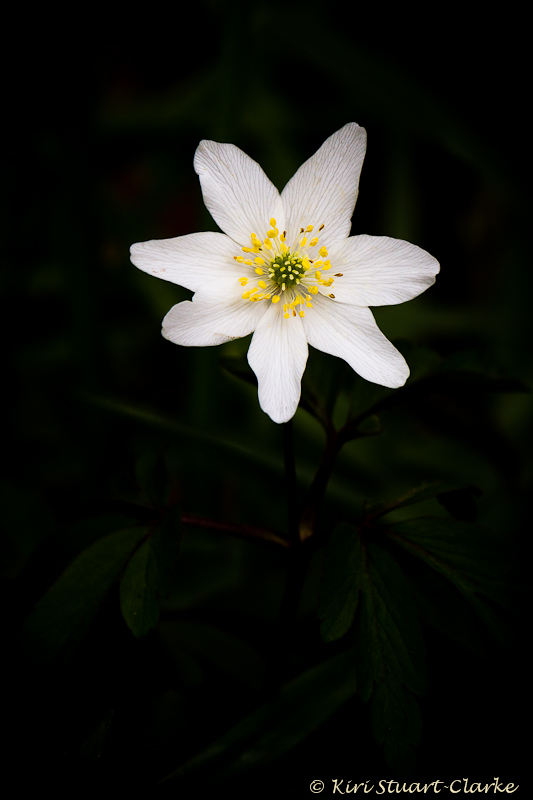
{"points": [[287, 269]]}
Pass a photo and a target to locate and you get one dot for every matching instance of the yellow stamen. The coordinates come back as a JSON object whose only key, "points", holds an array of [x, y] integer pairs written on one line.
{"points": [[309, 229], [246, 249], [273, 222], [283, 236], [259, 260], [258, 271], [318, 264], [284, 248], [323, 252], [302, 313], [327, 264], [286, 316], [313, 242], [276, 298], [318, 275], [313, 289], [248, 261], [238, 258], [273, 233], [262, 284], [303, 242], [243, 281], [246, 295], [268, 244]]}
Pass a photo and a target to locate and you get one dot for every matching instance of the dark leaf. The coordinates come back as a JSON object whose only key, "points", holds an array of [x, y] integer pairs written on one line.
{"points": [[475, 559], [341, 582], [138, 591], [442, 490], [61, 616], [278, 725]]}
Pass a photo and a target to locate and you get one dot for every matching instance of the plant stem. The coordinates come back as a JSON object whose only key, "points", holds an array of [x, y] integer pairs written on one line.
{"points": [[296, 570]]}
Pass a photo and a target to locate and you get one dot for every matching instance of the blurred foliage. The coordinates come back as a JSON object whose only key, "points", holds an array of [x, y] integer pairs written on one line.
{"points": [[111, 429]]}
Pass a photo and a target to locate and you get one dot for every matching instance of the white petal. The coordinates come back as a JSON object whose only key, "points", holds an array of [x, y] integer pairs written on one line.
{"points": [[324, 189], [380, 271], [237, 193], [351, 333], [278, 355], [191, 261], [200, 323]]}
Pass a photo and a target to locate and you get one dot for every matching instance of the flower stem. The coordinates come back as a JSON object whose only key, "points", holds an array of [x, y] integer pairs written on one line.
{"points": [[296, 570]]}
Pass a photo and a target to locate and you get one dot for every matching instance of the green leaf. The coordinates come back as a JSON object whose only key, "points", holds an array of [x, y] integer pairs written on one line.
{"points": [[391, 649], [138, 591], [427, 491], [278, 725], [341, 583], [396, 724], [360, 576], [62, 615], [165, 543], [225, 650], [149, 574], [475, 559]]}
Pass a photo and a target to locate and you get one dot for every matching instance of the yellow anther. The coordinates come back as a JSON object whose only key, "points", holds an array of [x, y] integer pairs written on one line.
{"points": [[246, 249], [306, 263], [309, 229], [267, 297], [257, 248], [323, 252], [276, 298], [302, 313], [259, 260], [248, 261], [313, 289], [273, 233], [286, 316], [327, 264], [285, 306], [314, 241], [262, 284], [258, 271], [283, 236], [243, 281], [318, 264], [318, 275], [307, 297], [284, 248], [238, 258], [303, 242], [268, 244], [272, 222], [246, 295], [296, 300], [309, 305]]}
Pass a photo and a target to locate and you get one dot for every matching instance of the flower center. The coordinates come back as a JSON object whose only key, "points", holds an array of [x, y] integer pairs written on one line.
{"points": [[286, 270], [289, 273]]}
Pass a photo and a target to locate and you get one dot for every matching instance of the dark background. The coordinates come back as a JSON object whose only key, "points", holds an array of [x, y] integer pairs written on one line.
{"points": [[102, 120]]}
